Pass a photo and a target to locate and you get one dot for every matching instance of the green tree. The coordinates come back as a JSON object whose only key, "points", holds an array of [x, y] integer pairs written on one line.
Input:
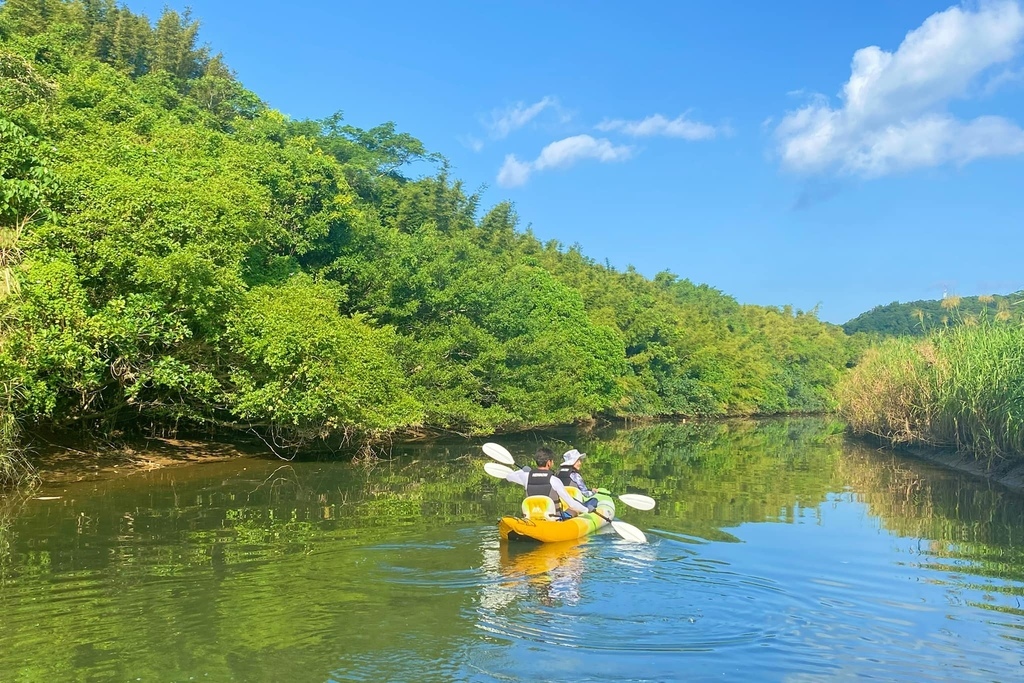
{"points": [[309, 369], [174, 46]]}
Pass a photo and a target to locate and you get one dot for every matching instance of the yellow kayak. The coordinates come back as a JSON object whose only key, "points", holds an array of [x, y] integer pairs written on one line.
{"points": [[537, 528]]}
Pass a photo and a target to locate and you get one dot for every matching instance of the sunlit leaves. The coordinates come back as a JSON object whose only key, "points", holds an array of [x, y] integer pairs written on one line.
{"points": [[306, 366], [20, 83], [26, 180]]}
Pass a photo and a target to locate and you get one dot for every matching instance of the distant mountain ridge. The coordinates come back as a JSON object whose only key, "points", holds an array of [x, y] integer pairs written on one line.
{"points": [[917, 318]]}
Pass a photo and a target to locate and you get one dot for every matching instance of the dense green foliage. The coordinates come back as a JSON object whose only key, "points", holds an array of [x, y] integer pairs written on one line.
{"points": [[961, 387], [918, 318], [177, 252]]}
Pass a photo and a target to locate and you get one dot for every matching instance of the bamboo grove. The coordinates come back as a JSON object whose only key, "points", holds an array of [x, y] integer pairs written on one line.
{"points": [[176, 253]]}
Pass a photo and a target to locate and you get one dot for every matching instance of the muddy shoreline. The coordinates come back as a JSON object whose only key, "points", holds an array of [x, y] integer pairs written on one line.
{"points": [[57, 462]]}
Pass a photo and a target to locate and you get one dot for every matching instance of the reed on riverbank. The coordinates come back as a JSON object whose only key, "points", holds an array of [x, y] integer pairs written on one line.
{"points": [[15, 468], [959, 388]]}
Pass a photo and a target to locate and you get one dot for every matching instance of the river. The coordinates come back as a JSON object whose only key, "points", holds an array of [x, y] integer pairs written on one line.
{"points": [[779, 551]]}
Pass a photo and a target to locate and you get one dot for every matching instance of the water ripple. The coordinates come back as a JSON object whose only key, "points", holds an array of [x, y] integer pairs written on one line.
{"points": [[655, 598]]}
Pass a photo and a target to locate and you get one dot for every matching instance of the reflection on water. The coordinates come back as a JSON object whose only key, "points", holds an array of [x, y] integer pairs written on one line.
{"points": [[548, 573], [779, 551]]}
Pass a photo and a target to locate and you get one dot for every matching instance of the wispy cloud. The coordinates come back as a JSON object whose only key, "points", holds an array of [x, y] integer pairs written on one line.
{"points": [[892, 116], [471, 142], [1006, 77], [502, 122], [561, 154], [658, 125]]}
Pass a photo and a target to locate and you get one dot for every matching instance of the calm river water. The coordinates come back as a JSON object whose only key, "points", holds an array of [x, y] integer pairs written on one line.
{"points": [[779, 551]]}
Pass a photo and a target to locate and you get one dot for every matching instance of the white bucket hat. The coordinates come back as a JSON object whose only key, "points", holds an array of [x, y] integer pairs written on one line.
{"points": [[570, 457]]}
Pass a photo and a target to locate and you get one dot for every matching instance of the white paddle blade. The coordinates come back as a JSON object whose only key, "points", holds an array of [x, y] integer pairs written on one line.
{"points": [[496, 470], [496, 451], [635, 500], [628, 532]]}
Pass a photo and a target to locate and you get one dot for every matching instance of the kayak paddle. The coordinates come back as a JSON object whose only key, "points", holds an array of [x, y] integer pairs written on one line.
{"points": [[496, 470], [496, 451], [628, 531]]}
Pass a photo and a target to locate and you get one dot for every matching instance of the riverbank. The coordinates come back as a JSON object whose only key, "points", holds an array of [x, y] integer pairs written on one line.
{"points": [[1005, 471], [57, 462], [64, 457]]}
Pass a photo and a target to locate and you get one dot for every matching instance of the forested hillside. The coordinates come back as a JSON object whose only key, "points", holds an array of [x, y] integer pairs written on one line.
{"points": [[174, 252], [918, 318]]}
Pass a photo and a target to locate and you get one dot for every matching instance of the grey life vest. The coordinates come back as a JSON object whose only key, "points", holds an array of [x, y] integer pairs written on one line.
{"points": [[564, 473], [539, 484]]}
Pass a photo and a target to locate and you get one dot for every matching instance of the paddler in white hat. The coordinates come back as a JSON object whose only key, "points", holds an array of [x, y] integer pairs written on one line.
{"points": [[569, 473]]}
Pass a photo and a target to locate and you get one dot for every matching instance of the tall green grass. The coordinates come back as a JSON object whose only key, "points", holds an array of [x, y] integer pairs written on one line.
{"points": [[15, 467], [961, 387]]}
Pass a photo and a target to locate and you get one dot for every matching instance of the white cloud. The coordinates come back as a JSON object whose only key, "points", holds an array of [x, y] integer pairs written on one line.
{"points": [[504, 121], [892, 117], [513, 172], [561, 154], [679, 127]]}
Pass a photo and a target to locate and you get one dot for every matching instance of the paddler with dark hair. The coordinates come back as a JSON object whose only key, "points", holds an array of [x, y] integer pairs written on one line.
{"points": [[542, 481]]}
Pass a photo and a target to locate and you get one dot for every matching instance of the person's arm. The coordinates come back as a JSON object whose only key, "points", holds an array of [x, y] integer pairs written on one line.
{"points": [[559, 488], [518, 477], [577, 479]]}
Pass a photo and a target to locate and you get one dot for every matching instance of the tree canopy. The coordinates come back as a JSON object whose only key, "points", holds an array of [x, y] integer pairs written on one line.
{"points": [[176, 252], [918, 318]]}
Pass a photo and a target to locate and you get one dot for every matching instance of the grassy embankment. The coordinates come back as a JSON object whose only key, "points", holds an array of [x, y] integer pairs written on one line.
{"points": [[961, 387]]}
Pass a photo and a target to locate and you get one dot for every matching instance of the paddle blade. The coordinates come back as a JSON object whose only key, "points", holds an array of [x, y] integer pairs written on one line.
{"points": [[628, 532], [496, 470], [635, 500], [498, 452]]}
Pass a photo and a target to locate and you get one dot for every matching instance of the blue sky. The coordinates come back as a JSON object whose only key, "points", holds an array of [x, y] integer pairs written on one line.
{"points": [[839, 154]]}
